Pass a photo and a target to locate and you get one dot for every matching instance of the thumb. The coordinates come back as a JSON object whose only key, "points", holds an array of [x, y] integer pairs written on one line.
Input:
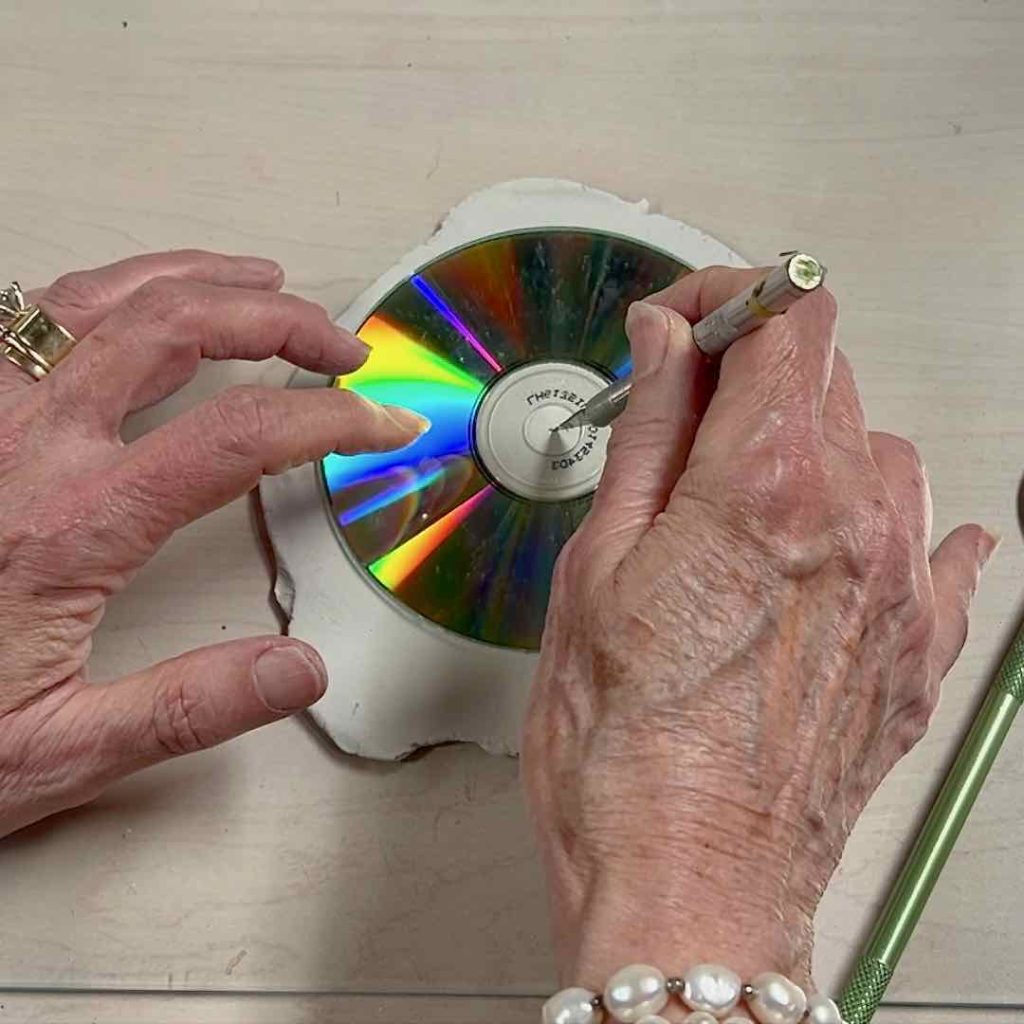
{"points": [[198, 700], [651, 440]]}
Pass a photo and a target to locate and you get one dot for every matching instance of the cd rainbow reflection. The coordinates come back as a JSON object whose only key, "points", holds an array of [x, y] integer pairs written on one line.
{"points": [[424, 521]]}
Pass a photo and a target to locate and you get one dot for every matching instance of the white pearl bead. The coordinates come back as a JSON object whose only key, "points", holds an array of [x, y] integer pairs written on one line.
{"points": [[700, 1017], [736, 1020], [571, 1006], [655, 1019], [635, 992], [821, 1010], [712, 988], [776, 1000]]}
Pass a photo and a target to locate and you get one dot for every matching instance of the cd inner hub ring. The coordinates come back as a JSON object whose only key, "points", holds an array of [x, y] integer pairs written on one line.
{"points": [[514, 440]]}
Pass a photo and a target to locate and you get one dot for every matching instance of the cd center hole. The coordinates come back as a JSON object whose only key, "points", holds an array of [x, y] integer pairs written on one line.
{"points": [[540, 434]]}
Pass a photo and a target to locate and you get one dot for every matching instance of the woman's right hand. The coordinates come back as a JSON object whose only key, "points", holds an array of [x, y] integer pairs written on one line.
{"points": [[744, 637]]}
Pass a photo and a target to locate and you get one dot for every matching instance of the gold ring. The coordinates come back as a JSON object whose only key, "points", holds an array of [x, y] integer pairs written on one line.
{"points": [[28, 337]]}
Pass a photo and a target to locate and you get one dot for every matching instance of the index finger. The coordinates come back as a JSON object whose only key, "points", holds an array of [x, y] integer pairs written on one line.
{"points": [[81, 300], [777, 376], [703, 291]]}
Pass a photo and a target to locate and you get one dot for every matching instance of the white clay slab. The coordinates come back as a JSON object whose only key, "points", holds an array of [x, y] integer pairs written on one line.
{"points": [[399, 682]]}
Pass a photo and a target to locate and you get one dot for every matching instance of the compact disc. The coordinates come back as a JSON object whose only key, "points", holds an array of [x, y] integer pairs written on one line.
{"points": [[496, 343]]}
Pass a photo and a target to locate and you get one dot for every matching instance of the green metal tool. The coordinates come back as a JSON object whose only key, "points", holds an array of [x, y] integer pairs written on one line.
{"points": [[873, 970]]}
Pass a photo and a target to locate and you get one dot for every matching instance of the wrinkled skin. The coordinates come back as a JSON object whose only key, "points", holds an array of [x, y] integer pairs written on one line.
{"points": [[81, 512], [744, 637]]}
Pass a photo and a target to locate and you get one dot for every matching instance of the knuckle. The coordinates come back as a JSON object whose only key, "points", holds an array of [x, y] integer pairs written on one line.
{"points": [[175, 721], [192, 255], [363, 417], [906, 450], [162, 299], [784, 469], [709, 283], [355, 406], [914, 720], [783, 484], [578, 579], [78, 290], [239, 417], [777, 499]]}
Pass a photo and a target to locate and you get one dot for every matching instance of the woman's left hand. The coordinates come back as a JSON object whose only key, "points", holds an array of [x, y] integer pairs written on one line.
{"points": [[81, 512]]}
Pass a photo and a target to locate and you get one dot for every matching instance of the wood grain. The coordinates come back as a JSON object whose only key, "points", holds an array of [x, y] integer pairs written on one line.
{"points": [[332, 136]]}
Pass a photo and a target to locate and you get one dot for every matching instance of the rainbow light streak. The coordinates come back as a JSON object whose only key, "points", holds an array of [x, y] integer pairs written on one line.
{"points": [[452, 317], [402, 372], [396, 566], [390, 495], [450, 415], [396, 356]]}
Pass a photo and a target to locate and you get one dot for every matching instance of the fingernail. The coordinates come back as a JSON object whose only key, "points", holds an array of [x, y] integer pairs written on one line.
{"points": [[289, 678], [647, 327], [988, 543], [356, 343], [407, 419], [266, 269]]}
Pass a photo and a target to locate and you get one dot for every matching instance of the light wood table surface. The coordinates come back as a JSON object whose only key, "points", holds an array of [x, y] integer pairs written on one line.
{"points": [[272, 879]]}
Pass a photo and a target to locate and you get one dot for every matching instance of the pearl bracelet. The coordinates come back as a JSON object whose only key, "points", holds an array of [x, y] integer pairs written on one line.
{"points": [[638, 993]]}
